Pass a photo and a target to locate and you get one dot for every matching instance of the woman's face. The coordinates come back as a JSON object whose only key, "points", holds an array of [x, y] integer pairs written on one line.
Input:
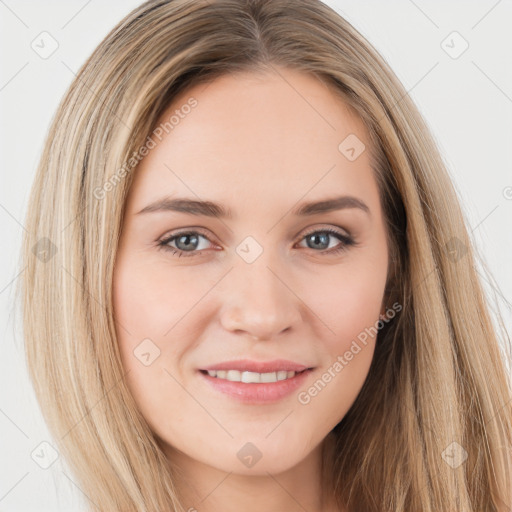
{"points": [[288, 281]]}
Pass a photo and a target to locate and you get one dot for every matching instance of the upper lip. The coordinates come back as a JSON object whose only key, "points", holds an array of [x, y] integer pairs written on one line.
{"points": [[247, 365]]}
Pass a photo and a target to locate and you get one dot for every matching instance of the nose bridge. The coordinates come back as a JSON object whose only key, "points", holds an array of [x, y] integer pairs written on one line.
{"points": [[258, 300]]}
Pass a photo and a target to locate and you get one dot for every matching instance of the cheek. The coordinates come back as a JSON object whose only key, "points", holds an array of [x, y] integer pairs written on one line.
{"points": [[351, 309], [150, 299], [349, 300], [150, 308], [148, 305]]}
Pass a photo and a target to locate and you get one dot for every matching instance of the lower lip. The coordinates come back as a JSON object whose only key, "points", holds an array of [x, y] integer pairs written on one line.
{"points": [[257, 393]]}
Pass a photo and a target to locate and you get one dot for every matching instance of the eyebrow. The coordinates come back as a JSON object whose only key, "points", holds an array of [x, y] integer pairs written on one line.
{"points": [[211, 209]]}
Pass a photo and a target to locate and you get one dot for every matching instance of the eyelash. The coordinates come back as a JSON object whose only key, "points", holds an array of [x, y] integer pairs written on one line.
{"points": [[346, 242]]}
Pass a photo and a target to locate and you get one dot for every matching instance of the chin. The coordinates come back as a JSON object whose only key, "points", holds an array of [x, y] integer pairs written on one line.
{"points": [[260, 457]]}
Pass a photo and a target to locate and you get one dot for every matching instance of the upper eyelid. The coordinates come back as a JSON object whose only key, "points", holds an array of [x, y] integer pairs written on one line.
{"points": [[340, 231]]}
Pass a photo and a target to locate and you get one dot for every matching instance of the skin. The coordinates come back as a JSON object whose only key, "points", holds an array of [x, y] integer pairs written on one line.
{"points": [[259, 144]]}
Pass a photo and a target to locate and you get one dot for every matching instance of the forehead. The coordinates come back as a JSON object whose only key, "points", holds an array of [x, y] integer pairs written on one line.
{"points": [[253, 135]]}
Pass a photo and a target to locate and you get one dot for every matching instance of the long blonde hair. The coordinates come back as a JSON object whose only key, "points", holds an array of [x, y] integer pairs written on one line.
{"points": [[438, 376]]}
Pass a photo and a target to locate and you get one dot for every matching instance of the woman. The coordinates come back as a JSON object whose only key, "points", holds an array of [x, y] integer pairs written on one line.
{"points": [[190, 345]]}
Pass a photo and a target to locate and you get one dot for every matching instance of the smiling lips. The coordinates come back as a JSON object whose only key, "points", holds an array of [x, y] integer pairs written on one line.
{"points": [[247, 371], [256, 382]]}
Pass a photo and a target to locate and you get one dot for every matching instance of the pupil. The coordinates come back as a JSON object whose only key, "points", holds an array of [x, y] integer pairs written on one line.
{"points": [[323, 236], [187, 237]]}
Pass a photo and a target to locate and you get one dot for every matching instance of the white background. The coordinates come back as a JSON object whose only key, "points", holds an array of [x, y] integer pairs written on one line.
{"points": [[466, 101]]}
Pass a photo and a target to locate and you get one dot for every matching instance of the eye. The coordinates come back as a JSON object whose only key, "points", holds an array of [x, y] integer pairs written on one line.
{"points": [[319, 239], [188, 243]]}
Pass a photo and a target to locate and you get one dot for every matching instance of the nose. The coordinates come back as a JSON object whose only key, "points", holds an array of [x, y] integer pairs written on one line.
{"points": [[259, 301]]}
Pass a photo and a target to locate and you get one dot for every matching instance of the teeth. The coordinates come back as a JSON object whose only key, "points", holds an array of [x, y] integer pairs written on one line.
{"points": [[281, 375], [268, 377], [233, 375], [251, 377]]}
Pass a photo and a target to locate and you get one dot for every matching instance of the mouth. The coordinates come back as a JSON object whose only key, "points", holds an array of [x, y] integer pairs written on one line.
{"points": [[254, 382]]}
